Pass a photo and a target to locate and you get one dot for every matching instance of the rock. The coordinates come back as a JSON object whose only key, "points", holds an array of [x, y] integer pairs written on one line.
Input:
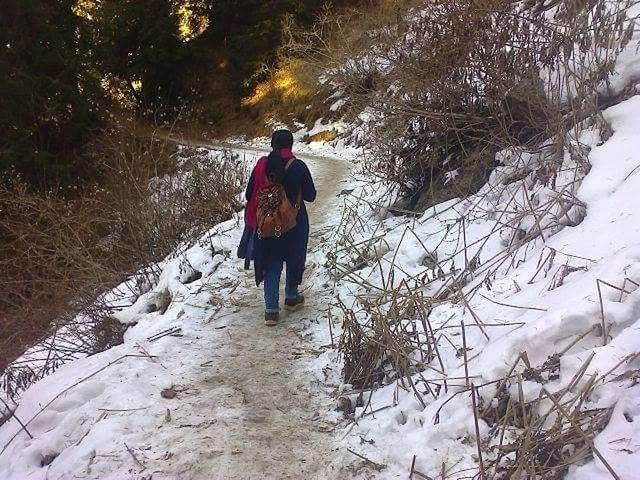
{"points": [[430, 260], [107, 333], [168, 393], [345, 405], [159, 302], [188, 274], [48, 459]]}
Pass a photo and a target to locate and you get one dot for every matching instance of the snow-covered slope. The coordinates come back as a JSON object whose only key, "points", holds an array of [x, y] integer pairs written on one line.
{"points": [[544, 259], [542, 267]]}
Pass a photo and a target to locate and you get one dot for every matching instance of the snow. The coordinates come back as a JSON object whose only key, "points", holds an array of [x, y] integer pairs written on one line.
{"points": [[74, 424], [543, 310], [538, 289], [342, 146], [619, 440], [627, 69], [337, 105]]}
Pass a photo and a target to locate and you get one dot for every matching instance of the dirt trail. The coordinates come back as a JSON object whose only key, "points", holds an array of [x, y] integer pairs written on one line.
{"points": [[253, 414]]}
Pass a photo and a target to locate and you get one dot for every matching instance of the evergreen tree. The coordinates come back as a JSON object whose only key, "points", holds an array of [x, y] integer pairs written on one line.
{"points": [[49, 101], [247, 35], [63, 59], [136, 46]]}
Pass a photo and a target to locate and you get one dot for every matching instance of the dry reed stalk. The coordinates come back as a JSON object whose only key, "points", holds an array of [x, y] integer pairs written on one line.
{"points": [[503, 304], [11, 414], [409, 350], [586, 438], [464, 353], [473, 315]]}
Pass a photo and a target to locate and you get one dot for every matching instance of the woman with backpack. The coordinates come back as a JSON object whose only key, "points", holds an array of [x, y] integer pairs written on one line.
{"points": [[277, 224]]}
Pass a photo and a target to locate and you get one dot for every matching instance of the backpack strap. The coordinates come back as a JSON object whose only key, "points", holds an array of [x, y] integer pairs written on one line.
{"points": [[289, 162], [286, 167]]}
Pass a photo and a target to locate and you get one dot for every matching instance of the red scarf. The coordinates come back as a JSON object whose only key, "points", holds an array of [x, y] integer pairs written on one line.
{"points": [[261, 181]]}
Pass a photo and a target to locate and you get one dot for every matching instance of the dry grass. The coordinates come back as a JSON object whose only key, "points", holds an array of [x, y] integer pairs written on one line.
{"points": [[448, 84], [293, 91], [60, 255], [289, 95], [388, 336]]}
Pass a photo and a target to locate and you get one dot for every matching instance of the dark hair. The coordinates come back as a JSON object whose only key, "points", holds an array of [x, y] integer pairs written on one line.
{"points": [[275, 167], [281, 139]]}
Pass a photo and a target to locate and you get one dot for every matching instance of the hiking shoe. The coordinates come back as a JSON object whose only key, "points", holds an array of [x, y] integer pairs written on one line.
{"points": [[271, 319], [293, 304]]}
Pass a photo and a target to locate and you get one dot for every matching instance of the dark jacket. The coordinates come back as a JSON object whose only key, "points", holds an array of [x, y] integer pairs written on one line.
{"points": [[292, 246]]}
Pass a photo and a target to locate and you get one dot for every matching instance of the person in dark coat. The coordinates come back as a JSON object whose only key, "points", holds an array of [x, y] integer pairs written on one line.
{"points": [[269, 255]]}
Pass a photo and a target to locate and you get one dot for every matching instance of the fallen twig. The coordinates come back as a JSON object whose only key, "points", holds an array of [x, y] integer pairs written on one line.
{"points": [[374, 465], [135, 459], [173, 331]]}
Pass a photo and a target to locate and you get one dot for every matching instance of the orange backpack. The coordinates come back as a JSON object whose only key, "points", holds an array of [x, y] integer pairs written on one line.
{"points": [[275, 214]]}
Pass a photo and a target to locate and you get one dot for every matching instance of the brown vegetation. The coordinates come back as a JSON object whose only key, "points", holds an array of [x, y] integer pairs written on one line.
{"points": [[293, 91], [389, 335], [448, 84], [59, 255]]}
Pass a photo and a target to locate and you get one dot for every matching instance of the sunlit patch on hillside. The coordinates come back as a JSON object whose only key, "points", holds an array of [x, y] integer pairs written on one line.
{"points": [[284, 84]]}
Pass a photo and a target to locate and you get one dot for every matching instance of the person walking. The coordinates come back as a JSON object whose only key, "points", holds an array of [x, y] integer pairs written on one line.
{"points": [[276, 232]]}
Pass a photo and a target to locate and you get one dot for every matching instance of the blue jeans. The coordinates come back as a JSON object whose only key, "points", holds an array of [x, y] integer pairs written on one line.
{"points": [[272, 286]]}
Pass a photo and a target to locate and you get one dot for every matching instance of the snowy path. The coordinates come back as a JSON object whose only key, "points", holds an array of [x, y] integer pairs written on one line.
{"points": [[277, 431], [246, 404]]}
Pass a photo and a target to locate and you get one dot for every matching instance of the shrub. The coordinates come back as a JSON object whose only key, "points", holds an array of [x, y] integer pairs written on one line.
{"points": [[292, 92], [58, 256], [448, 84]]}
